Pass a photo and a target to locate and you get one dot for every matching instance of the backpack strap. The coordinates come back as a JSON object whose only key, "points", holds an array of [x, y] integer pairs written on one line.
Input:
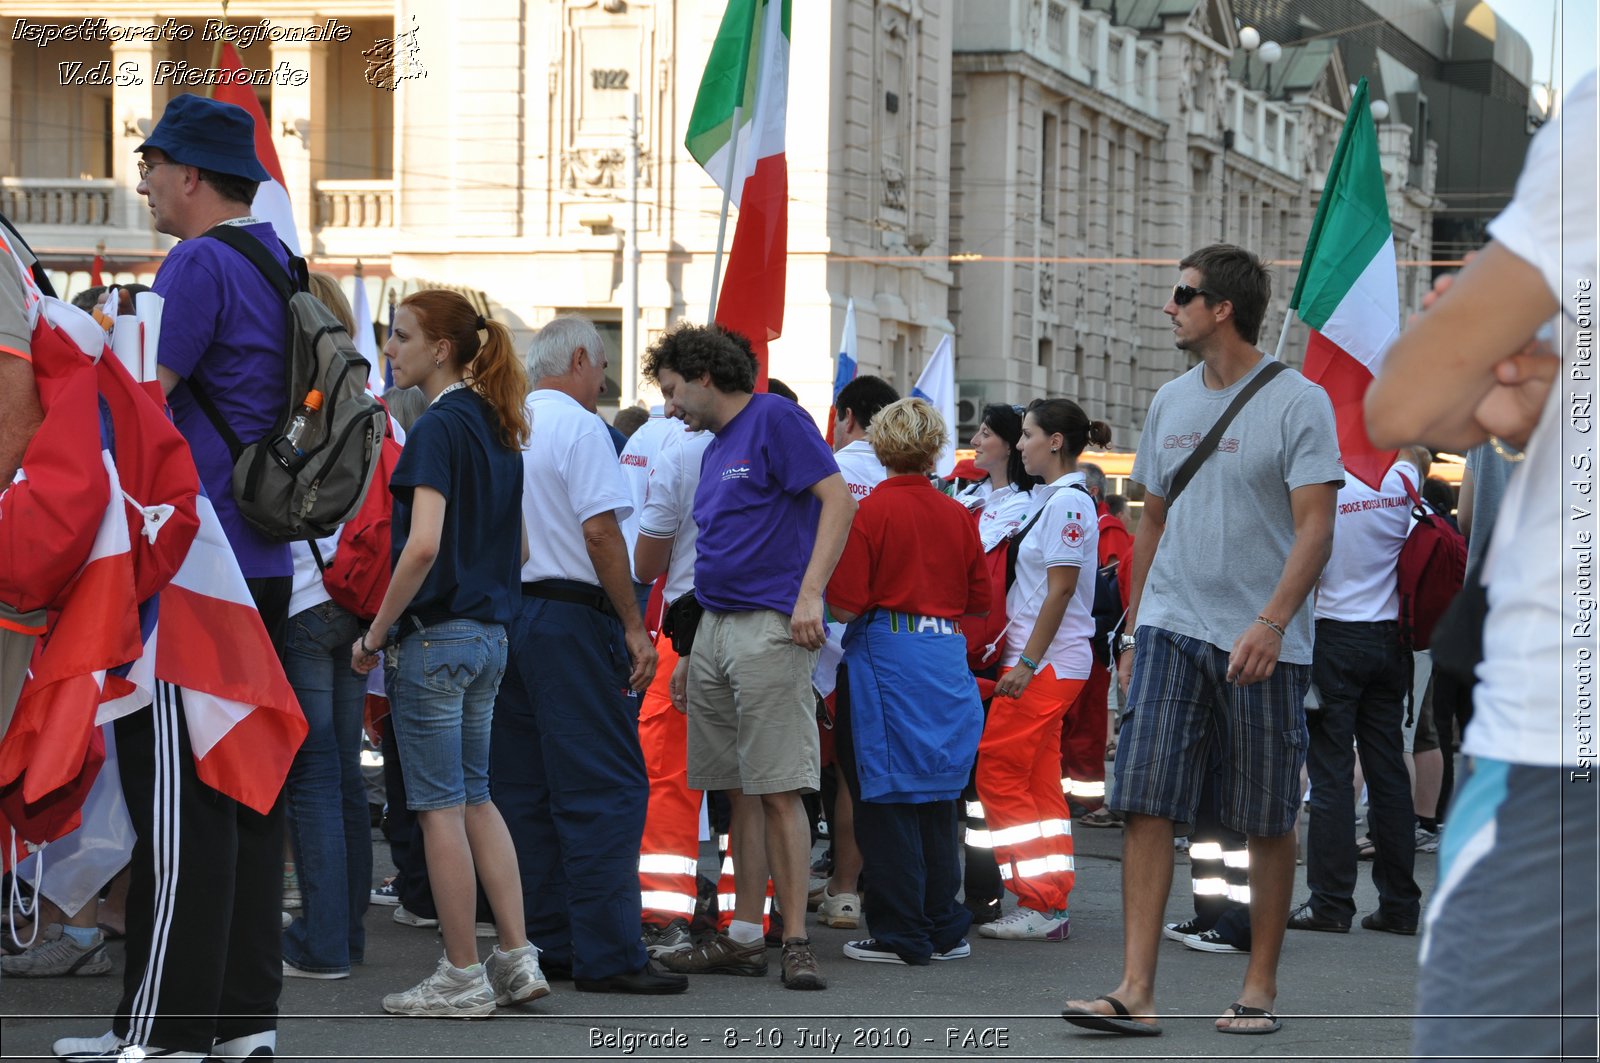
{"points": [[283, 281], [1416, 500], [1014, 546], [1203, 449]]}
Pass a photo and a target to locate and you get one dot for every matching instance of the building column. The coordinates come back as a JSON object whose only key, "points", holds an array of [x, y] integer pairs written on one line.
{"points": [[300, 95], [134, 101]]}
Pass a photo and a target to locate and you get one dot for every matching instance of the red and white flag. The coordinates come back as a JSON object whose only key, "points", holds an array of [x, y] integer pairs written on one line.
{"points": [[272, 198], [244, 721], [738, 120]]}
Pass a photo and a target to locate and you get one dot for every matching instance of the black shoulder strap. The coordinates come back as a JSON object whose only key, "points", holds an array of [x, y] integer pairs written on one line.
{"points": [[285, 282], [1014, 545], [254, 250], [1203, 449]]}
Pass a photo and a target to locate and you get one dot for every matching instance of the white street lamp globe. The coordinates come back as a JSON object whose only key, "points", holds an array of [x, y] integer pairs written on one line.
{"points": [[1380, 110], [1271, 52], [1249, 38]]}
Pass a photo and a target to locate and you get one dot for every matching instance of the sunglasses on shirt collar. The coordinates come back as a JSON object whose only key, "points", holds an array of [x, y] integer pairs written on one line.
{"points": [[1183, 294]]}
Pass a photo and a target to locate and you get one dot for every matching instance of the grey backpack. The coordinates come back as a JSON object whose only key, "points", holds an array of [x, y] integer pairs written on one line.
{"points": [[290, 493]]}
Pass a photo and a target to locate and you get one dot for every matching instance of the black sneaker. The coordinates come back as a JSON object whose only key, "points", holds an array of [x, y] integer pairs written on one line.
{"points": [[983, 911], [1179, 931], [1303, 918], [1388, 924], [1211, 941]]}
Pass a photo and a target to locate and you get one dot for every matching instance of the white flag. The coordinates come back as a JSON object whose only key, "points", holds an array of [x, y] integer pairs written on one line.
{"points": [[366, 345], [937, 386]]}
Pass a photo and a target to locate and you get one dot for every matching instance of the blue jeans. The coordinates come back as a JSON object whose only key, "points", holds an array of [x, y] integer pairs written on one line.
{"points": [[442, 680], [329, 827]]}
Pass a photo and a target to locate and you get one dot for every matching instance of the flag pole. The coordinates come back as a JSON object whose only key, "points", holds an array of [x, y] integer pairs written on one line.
{"points": [[733, 158], [1283, 334], [216, 50]]}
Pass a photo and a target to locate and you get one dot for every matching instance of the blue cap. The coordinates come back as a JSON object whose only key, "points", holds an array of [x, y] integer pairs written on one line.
{"points": [[210, 134]]}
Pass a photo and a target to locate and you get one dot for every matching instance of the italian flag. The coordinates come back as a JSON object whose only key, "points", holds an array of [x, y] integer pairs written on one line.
{"points": [[1348, 291], [736, 133], [272, 197]]}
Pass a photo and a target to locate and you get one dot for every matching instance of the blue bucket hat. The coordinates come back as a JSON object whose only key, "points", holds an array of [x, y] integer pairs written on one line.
{"points": [[210, 134]]}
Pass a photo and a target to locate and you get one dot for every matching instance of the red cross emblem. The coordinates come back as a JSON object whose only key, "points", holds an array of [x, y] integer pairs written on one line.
{"points": [[1072, 534]]}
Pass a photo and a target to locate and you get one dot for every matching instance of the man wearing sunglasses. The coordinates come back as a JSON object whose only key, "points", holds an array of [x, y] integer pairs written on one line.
{"points": [[1221, 655]]}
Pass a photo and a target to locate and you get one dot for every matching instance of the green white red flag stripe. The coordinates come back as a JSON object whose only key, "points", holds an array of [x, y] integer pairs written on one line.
{"points": [[737, 129], [1348, 290]]}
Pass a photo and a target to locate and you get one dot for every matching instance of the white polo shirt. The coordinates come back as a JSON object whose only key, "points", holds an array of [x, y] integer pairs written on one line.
{"points": [[1067, 534], [1005, 511], [569, 474], [1369, 528], [860, 467], [636, 460], [668, 510]]}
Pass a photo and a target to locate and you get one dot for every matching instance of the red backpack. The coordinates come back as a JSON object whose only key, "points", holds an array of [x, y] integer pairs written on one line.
{"points": [[358, 576], [1431, 569], [1001, 563]]}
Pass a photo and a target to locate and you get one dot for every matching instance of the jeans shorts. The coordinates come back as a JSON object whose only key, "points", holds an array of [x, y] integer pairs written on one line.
{"points": [[1180, 705], [442, 680]]}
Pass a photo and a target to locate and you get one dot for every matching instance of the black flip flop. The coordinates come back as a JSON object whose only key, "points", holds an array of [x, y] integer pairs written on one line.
{"points": [[1245, 1011], [1121, 1023]]}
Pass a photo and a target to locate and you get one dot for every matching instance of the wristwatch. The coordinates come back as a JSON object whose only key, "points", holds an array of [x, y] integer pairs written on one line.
{"points": [[1124, 642]]}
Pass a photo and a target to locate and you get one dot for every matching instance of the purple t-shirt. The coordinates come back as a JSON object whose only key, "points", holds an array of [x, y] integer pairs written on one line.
{"points": [[756, 517], [222, 325]]}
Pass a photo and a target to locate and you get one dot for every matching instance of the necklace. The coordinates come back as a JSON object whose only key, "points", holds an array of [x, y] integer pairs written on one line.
{"points": [[457, 386]]}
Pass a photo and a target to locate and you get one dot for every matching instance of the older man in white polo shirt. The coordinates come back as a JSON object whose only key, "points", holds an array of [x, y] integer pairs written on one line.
{"points": [[566, 769]]}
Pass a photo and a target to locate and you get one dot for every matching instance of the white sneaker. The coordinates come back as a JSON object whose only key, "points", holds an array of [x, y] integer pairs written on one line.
{"points": [[406, 917], [515, 976], [1028, 924], [87, 1047], [1427, 840], [291, 971], [842, 911], [446, 994], [109, 1047]]}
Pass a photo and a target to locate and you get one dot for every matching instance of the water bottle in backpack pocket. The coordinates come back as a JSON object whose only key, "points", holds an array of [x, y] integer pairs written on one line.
{"points": [[306, 486]]}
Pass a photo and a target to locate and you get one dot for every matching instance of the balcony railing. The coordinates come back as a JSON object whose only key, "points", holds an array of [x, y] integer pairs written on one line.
{"points": [[355, 204], [57, 200]]}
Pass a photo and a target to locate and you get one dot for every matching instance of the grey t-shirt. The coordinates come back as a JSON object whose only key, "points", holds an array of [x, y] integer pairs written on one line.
{"points": [[1228, 536]]}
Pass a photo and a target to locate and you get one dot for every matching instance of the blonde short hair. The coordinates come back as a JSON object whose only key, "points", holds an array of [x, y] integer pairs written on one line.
{"points": [[907, 436], [326, 288]]}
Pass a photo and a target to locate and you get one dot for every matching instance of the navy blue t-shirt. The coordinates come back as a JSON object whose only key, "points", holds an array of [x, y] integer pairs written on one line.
{"points": [[455, 449]]}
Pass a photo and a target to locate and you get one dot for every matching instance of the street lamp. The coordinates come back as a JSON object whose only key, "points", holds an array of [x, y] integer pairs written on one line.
{"points": [[1270, 52]]}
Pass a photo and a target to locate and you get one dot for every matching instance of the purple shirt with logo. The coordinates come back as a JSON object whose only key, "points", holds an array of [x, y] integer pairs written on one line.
{"points": [[756, 516], [222, 326]]}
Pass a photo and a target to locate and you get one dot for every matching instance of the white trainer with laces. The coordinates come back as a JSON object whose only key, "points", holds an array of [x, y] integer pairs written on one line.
{"points": [[1028, 924], [446, 994], [515, 976], [842, 911]]}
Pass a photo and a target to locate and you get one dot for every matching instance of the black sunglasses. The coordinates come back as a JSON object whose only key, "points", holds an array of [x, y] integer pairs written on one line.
{"points": [[1183, 294]]}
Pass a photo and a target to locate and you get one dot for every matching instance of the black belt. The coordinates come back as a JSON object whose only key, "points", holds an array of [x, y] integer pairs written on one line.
{"points": [[574, 592]]}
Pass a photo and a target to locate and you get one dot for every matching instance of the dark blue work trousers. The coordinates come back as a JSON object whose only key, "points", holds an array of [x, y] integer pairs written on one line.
{"points": [[567, 773], [911, 856]]}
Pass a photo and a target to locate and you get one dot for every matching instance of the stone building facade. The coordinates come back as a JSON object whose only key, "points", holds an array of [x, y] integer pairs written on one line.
{"points": [[1022, 173]]}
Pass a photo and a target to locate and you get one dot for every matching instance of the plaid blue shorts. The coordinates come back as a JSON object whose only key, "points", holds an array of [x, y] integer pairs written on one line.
{"points": [[1179, 705]]}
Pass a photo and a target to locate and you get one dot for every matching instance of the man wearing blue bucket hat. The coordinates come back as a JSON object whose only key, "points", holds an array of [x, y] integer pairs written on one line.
{"points": [[204, 953]]}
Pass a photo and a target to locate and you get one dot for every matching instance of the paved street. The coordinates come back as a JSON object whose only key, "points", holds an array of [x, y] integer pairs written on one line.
{"points": [[1341, 996]]}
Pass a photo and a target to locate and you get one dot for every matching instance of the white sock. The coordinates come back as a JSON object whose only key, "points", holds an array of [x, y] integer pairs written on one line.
{"points": [[744, 933]]}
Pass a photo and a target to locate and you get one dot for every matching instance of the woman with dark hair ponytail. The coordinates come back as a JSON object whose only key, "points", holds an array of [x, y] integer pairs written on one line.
{"points": [[457, 551], [1003, 502], [1044, 665]]}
